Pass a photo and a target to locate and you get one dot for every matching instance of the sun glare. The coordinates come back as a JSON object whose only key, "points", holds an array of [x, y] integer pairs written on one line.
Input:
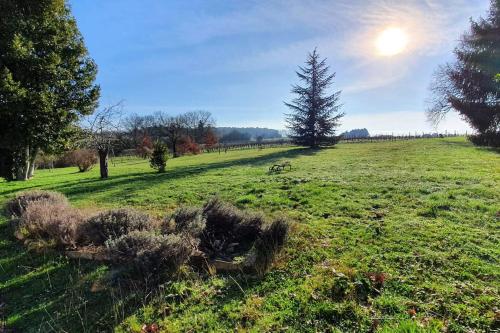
{"points": [[391, 41]]}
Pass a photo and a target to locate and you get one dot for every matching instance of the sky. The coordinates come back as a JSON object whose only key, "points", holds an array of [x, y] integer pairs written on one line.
{"points": [[237, 59]]}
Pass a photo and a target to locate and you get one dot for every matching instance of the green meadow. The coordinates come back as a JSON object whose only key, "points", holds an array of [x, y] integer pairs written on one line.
{"points": [[398, 236]]}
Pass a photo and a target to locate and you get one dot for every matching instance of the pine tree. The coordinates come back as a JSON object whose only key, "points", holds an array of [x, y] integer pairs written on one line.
{"points": [[470, 85], [315, 114], [159, 156]]}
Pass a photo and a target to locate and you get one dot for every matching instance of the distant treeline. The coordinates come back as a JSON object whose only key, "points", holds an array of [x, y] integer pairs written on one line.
{"points": [[356, 133], [236, 134]]}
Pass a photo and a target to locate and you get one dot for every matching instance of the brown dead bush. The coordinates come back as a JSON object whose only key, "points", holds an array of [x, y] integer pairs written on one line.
{"points": [[18, 205], [84, 159], [55, 223], [269, 244], [148, 253], [114, 224], [228, 231]]}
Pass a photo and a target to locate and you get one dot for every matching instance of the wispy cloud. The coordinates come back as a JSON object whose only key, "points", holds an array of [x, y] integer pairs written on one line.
{"points": [[343, 30]]}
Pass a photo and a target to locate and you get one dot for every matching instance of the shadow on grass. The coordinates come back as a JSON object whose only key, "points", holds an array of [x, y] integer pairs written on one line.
{"points": [[122, 184], [468, 144], [46, 292], [49, 293]]}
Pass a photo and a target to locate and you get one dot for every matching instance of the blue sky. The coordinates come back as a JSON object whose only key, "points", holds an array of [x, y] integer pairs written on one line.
{"points": [[237, 59]]}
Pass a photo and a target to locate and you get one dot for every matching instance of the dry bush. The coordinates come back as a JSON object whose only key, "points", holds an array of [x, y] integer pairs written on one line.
{"points": [[113, 224], [18, 205], [149, 253], [187, 220], [188, 146], [54, 222], [84, 159], [269, 243], [228, 230]]}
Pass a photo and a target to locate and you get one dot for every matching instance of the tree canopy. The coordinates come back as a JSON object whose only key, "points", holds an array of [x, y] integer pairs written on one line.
{"points": [[470, 84], [46, 81]]}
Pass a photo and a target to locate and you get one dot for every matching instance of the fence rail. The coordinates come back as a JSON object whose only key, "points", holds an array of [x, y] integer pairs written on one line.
{"points": [[221, 148], [398, 137]]}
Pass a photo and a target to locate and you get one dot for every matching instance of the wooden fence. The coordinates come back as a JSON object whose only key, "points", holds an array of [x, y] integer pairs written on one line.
{"points": [[222, 148]]}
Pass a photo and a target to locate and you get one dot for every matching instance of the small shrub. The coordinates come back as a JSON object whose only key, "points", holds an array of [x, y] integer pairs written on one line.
{"points": [[84, 159], [188, 146], [18, 205], [148, 253], [210, 140], [51, 221], [114, 224], [187, 220], [221, 216], [159, 156], [249, 229], [228, 230], [269, 243]]}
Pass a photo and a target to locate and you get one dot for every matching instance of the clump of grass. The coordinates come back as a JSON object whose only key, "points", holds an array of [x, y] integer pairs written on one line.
{"points": [[269, 243], [52, 222], [114, 224], [149, 253], [18, 205]]}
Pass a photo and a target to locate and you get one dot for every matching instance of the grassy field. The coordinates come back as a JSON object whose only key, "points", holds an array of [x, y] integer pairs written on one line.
{"points": [[420, 217]]}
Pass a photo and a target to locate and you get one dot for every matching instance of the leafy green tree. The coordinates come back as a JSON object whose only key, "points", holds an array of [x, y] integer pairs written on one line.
{"points": [[315, 113], [159, 157], [46, 81], [470, 85]]}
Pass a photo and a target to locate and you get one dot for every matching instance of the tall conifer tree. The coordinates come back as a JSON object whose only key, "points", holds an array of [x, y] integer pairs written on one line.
{"points": [[470, 85], [315, 113]]}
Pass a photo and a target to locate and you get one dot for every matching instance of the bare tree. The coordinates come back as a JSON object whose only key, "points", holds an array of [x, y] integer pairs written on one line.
{"points": [[101, 133], [172, 128], [198, 123], [134, 124], [440, 88]]}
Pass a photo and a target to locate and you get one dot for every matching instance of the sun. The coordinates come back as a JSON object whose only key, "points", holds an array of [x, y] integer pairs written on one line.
{"points": [[391, 41]]}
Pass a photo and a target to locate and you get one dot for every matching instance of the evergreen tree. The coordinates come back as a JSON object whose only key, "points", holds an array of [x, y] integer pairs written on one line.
{"points": [[159, 156], [46, 81], [315, 114], [470, 85]]}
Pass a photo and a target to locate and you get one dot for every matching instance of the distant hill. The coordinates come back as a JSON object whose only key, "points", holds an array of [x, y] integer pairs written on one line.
{"points": [[252, 132], [356, 133]]}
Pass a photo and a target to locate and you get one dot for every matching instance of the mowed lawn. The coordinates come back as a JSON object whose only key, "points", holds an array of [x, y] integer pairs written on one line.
{"points": [[422, 217]]}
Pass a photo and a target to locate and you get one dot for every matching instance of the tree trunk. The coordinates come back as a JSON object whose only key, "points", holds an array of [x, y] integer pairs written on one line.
{"points": [[103, 162], [32, 158], [23, 164], [174, 148]]}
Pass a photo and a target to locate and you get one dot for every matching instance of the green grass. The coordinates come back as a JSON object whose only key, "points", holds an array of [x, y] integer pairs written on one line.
{"points": [[424, 212]]}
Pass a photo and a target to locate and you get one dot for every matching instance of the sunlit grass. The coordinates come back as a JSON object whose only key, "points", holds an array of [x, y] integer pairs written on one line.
{"points": [[424, 213]]}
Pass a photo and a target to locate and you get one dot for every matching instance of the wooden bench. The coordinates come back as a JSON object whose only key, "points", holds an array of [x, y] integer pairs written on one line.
{"points": [[280, 166]]}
